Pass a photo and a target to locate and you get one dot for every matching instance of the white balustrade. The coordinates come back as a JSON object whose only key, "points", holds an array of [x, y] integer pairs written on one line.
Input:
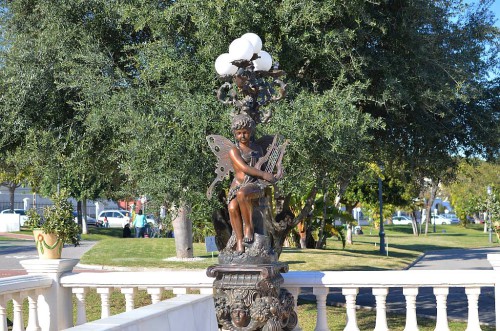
{"points": [[49, 287], [104, 292], [380, 299], [410, 294]]}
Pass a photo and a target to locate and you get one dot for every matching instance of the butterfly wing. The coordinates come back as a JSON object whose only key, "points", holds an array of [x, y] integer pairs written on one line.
{"points": [[220, 146]]}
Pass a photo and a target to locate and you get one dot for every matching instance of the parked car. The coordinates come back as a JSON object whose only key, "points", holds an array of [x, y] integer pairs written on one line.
{"points": [[90, 220], [23, 218], [440, 219], [401, 220], [117, 218], [452, 217]]}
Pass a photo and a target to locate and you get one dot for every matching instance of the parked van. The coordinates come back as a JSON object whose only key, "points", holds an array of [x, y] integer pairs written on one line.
{"points": [[116, 218]]}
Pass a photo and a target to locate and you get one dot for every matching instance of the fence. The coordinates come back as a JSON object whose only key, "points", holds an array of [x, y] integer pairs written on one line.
{"points": [[50, 285]]}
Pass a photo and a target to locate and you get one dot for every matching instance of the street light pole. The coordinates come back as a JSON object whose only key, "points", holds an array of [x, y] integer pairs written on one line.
{"points": [[381, 228], [488, 215]]}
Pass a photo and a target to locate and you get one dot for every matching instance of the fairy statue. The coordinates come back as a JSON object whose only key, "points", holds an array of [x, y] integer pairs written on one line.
{"points": [[253, 172]]}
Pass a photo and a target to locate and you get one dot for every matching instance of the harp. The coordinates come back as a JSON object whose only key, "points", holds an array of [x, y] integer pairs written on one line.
{"points": [[272, 161]]}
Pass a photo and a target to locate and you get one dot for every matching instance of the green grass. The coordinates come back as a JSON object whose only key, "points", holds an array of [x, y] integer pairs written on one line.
{"points": [[366, 320], [403, 249]]}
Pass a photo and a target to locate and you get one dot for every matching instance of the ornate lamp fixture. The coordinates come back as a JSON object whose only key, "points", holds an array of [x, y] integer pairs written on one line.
{"points": [[250, 79]]}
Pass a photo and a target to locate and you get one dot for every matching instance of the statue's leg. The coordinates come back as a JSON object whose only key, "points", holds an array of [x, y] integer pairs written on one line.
{"points": [[236, 223], [245, 197]]}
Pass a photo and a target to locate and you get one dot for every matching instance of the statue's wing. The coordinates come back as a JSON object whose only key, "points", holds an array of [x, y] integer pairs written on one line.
{"points": [[220, 146]]}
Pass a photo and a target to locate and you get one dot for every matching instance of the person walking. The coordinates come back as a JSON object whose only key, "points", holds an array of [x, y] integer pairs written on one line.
{"points": [[139, 224]]}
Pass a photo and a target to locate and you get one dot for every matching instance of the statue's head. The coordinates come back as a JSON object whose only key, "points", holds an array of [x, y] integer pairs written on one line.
{"points": [[240, 316], [243, 121]]}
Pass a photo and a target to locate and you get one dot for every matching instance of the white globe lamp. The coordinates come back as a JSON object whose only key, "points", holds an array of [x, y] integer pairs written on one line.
{"points": [[241, 49], [254, 40], [264, 62], [223, 65]]}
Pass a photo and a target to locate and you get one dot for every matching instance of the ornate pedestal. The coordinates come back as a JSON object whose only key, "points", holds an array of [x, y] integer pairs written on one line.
{"points": [[250, 298]]}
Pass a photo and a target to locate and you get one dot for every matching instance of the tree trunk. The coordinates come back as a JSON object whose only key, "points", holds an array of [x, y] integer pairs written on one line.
{"points": [[414, 223], [428, 205], [321, 233], [183, 233], [12, 190], [84, 216], [349, 234]]}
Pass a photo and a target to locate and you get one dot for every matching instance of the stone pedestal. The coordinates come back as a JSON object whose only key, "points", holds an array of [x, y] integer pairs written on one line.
{"points": [[249, 297]]}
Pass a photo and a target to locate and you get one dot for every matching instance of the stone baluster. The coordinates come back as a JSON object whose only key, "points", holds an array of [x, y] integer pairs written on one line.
{"points": [[179, 290], [441, 294], [17, 322], [410, 294], [155, 293], [380, 299], [321, 322], [33, 324], [104, 292], [129, 293], [81, 315], [3, 311], [295, 291], [473, 318], [350, 300]]}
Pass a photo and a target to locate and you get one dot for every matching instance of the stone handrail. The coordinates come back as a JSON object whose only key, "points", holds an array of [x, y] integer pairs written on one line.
{"points": [[55, 282]]}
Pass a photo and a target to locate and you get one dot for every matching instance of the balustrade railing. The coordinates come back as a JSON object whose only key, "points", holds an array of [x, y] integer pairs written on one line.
{"points": [[50, 286]]}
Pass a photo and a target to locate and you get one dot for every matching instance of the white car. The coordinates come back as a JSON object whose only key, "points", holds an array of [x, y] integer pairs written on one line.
{"points": [[401, 220], [22, 218], [440, 219], [117, 218]]}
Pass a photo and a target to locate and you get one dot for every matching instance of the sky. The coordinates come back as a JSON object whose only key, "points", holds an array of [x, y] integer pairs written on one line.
{"points": [[496, 10]]}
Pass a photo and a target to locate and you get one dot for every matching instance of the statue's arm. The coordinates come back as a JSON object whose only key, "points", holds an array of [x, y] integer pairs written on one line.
{"points": [[240, 165]]}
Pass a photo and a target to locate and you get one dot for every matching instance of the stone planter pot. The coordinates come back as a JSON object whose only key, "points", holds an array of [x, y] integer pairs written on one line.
{"points": [[48, 245]]}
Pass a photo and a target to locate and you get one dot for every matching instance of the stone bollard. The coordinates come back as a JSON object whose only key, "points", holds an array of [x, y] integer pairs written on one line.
{"points": [[55, 305]]}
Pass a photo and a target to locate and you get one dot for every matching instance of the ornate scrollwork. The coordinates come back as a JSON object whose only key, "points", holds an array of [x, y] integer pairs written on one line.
{"points": [[250, 90]]}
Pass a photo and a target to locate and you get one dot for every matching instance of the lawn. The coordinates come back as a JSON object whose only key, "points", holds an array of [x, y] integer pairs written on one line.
{"points": [[403, 249]]}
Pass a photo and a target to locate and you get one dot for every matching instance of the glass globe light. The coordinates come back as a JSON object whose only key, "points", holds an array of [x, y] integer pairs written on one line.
{"points": [[254, 40], [241, 49], [264, 62], [223, 65]]}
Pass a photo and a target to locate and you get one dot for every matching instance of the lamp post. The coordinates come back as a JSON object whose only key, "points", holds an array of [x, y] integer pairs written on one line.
{"points": [[488, 215], [381, 232], [250, 78]]}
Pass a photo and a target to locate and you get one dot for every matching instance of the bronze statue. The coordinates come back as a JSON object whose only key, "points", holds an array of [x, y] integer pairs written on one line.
{"points": [[245, 159], [248, 277]]}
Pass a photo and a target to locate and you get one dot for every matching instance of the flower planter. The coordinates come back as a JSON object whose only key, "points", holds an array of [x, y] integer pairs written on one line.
{"points": [[49, 246]]}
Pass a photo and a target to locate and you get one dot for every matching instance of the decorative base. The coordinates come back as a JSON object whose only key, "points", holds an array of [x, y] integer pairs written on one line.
{"points": [[250, 298]]}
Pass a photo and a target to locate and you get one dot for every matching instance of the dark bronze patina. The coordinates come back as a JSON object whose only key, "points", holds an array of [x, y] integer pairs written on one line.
{"points": [[248, 292]]}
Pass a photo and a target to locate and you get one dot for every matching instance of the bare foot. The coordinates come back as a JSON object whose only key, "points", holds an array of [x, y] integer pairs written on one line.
{"points": [[240, 249], [248, 236]]}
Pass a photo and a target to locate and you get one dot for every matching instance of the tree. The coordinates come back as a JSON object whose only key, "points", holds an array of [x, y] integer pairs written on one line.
{"points": [[469, 192], [127, 89]]}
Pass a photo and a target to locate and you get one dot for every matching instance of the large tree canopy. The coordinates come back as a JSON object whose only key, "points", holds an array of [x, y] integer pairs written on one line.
{"points": [[115, 99]]}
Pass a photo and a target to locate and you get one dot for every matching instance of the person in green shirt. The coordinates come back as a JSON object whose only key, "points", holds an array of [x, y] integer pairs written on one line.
{"points": [[140, 224]]}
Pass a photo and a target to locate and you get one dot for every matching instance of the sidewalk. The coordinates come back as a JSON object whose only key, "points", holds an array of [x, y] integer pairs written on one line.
{"points": [[16, 235]]}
